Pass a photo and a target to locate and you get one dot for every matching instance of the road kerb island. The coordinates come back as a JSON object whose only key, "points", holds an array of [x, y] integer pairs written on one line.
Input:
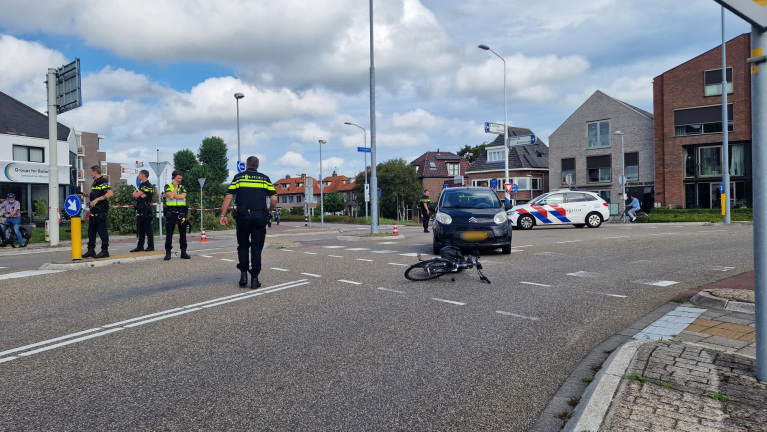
{"points": [[115, 259], [595, 402]]}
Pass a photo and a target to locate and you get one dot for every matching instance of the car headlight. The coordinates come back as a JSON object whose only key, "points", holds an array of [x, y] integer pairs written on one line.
{"points": [[443, 218], [511, 213], [500, 218]]}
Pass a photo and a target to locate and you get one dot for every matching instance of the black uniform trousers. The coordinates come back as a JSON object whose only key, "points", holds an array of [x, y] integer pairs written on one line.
{"points": [[425, 220], [171, 221], [96, 225], [144, 228], [251, 234]]}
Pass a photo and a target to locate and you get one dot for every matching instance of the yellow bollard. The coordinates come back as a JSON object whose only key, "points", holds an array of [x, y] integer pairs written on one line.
{"points": [[724, 203], [77, 241]]}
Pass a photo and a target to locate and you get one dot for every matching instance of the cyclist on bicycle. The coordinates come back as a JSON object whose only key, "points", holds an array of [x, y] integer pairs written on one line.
{"points": [[633, 207], [11, 209]]}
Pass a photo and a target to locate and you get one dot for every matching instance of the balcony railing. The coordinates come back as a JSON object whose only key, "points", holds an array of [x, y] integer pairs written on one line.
{"points": [[81, 175], [81, 150]]}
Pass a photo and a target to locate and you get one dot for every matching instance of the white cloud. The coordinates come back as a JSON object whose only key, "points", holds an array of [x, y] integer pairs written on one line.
{"points": [[293, 161], [24, 68], [111, 83]]}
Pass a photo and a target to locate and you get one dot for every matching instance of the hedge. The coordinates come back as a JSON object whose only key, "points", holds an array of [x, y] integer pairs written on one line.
{"points": [[661, 214]]}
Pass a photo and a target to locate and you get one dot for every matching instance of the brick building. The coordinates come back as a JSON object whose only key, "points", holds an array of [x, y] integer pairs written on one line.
{"points": [[587, 147], [291, 191], [436, 169], [688, 129], [528, 167]]}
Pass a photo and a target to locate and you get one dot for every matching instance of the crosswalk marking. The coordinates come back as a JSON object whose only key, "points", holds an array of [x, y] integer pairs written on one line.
{"points": [[27, 273]]}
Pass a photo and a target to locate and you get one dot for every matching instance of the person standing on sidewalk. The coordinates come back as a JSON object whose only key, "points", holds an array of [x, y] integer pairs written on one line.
{"points": [[176, 211], [143, 208], [11, 210], [252, 190], [424, 207], [97, 222]]}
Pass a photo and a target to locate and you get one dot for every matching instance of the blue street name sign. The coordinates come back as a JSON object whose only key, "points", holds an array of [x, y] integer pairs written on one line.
{"points": [[364, 149], [240, 166], [73, 205], [494, 183]]}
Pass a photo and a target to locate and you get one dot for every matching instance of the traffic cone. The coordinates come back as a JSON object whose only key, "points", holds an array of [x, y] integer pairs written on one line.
{"points": [[203, 238], [395, 228]]}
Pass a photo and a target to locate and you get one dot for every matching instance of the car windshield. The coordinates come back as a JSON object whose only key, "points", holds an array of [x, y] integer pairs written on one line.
{"points": [[470, 199]]}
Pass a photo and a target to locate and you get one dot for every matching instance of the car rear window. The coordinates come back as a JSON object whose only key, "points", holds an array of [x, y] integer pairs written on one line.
{"points": [[470, 199]]}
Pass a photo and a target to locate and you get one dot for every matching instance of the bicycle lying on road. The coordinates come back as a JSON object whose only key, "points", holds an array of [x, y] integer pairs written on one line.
{"points": [[451, 260]]}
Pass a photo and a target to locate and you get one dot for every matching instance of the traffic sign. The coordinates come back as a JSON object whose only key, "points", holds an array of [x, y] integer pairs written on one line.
{"points": [[73, 205], [157, 167], [445, 186], [521, 140], [68, 88], [721, 188], [493, 128], [128, 171], [138, 182], [622, 180], [494, 183], [240, 166], [367, 192], [508, 187], [569, 179], [575, 188], [515, 188], [458, 180], [364, 150], [753, 11]]}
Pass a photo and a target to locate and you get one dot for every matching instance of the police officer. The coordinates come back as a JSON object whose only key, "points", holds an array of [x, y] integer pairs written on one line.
{"points": [[252, 190], [143, 196], [97, 223], [175, 214], [424, 206]]}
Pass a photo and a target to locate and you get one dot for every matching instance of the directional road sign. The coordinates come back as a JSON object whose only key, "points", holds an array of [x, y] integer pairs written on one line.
{"points": [[240, 166], [68, 89], [73, 205], [494, 183], [521, 140], [367, 193], [157, 167], [493, 128], [364, 149], [721, 188], [508, 187], [753, 11], [445, 186], [515, 188]]}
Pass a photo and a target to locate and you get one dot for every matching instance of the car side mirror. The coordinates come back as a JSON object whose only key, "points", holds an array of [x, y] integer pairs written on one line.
{"points": [[507, 206]]}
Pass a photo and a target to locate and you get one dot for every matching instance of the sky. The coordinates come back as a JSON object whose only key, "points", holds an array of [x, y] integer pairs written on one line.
{"points": [[161, 74]]}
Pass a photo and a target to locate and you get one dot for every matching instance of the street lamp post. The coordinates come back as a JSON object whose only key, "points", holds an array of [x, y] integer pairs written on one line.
{"points": [[622, 179], [237, 97], [365, 155], [322, 208], [505, 120]]}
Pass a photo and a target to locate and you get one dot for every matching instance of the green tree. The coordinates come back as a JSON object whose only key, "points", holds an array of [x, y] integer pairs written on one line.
{"points": [[472, 153], [212, 166], [333, 202], [122, 220], [399, 186], [184, 160], [212, 155]]}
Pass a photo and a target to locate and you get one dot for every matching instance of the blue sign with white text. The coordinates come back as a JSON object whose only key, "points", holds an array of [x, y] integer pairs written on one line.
{"points": [[364, 149]]}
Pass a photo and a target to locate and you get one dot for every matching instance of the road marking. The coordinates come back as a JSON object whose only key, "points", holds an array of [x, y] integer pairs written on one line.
{"points": [[311, 253], [141, 318], [721, 268], [523, 246], [660, 283], [335, 256], [584, 274], [227, 259], [333, 247], [384, 251], [162, 317], [449, 301], [710, 231], [414, 254], [547, 253], [518, 316], [357, 249], [670, 324], [641, 262], [419, 244], [606, 294], [392, 290], [311, 274], [398, 264], [569, 241], [27, 273], [69, 342], [287, 250], [387, 243], [3, 267], [618, 237], [349, 282], [280, 269], [206, 256], [71, 335], [664, 234], [363, 259], [536, 284]]}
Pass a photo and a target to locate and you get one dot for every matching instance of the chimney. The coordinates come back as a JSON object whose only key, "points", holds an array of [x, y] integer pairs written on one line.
{"points": [[334, 173], [287, 176]]}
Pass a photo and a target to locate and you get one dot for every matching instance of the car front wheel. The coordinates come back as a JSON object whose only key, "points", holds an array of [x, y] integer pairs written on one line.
{"points": [[526, 222], [594, 220]]}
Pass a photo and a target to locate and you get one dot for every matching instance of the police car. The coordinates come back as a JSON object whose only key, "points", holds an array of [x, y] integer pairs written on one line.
{"points": [[576, 208]]}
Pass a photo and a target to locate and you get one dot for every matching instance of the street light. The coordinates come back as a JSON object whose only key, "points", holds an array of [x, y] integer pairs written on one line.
{"points": [[505, 119], [365, 132], [622, 178], [322, 208], [238, 96]]}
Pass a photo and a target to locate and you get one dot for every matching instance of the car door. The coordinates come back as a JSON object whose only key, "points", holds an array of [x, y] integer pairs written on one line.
{"points": [[548, 210], [577, 207]]}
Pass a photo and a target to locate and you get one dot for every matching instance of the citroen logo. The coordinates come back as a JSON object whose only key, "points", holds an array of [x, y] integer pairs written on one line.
{"points": [[472, 219]]}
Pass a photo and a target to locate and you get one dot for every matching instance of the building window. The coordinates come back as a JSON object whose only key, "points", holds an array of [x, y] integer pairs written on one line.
{"points": [[689, 162], [713, 82], [495, 155], [703, 120], [598, 134], [432, 165], [29, 154], [537, 183], [599, 169], [568, 167], [710, 161], [453, 169], [290, 199], [522, 183], [632, 166], [284, 185]]}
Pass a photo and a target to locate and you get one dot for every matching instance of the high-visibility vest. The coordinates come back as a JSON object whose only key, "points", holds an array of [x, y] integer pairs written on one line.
{"points": [[174, 202]]}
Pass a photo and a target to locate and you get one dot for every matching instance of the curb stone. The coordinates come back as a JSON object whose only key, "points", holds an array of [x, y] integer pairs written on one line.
{"points": [[707, 300], [101, 262]]}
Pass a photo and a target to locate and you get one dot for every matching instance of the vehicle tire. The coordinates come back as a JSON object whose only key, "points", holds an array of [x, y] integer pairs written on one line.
{"points": [[435, 247], [593, 220], [579, 225], [506, 250], [526, 222], [425, 270]]}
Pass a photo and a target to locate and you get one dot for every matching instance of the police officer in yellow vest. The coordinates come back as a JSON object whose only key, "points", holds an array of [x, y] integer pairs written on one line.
{"points": [[175, 214], [253, 190]]}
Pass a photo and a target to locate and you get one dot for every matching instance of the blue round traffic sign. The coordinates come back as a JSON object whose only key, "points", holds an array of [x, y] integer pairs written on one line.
{"points": [[494, 183], [240, 166], [515, 188], [73, 205]]}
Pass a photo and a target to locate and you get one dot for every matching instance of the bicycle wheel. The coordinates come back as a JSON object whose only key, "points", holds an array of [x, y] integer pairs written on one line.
{"points": [[425, 270]]}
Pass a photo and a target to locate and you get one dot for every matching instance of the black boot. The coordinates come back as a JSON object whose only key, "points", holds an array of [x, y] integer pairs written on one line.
{"points": [[184, 254], [167, 255], [103, 254], [254, 283], [137, 249], [91, 253], [243, 278], [149, 249]]}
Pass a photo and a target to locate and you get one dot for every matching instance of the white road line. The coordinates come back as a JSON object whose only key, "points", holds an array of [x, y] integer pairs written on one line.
{"points": [[349, 282], [449, 301], [569, 241], [392, 290], [71, 335], [333, 247], [547, 253], [80, 339], [419, 244], [660, 283], [3, 267], [721, 268], [206, 256], [523, 246], [258, 292], [227, 260], [335, 256], [664, 234], [311, 274], [414, 254], [709, 231], [311, 253], [398, 264], [7, 359], [618, 237], [384, 251], [357, 249], [141, 318], [287, 250], [363, 259], [641, 262], [518, 316], [150, 320], [280, 269], [27, 273], [536, 284], [606, 294], [387, 243], [583, 274]]}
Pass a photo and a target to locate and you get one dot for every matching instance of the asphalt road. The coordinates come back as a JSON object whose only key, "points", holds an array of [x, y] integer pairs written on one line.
{"points": [[337, 339]]}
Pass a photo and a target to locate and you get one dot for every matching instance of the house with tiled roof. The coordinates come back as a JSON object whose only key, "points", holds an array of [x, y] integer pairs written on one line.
{"points": [[528, 167], [436, 169], [291, 191]]}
